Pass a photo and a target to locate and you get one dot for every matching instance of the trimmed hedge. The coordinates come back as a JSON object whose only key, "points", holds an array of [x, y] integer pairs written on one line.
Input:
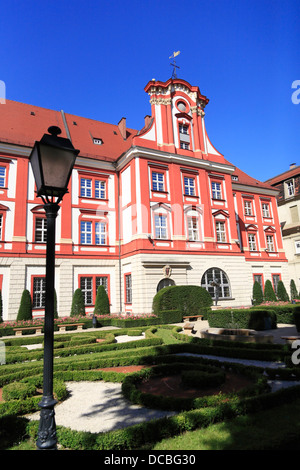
{"points": [[188, 299], [254, 319]]}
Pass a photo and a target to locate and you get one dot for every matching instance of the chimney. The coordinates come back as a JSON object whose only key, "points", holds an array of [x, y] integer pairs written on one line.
{"points": [[292, 165], [147, 121], [122, 127]]}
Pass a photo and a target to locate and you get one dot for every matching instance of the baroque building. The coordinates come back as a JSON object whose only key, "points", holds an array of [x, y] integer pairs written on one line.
{"points": [[145, 209], [288, 200]]}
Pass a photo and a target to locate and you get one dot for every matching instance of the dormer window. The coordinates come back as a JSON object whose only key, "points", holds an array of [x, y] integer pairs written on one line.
{"points": [[97, 141]]}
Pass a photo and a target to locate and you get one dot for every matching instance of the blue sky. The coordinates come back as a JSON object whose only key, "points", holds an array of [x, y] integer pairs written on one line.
{"points": [[94, 58]]}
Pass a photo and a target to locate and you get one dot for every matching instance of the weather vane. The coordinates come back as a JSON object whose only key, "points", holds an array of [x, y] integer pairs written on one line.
{"points": [[175, 54]]}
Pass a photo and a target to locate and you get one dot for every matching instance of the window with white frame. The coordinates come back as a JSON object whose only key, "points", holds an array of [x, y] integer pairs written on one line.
{"points": [[102, 281], [160, 222], [86, 232], [157, 181], [270, 243], [100, 189], [2, 176], [290, 188], [189, 186], [258, 278], [216, 190], [86, 286], [265, 209], [184, 136], [193, 230], [252, 242], [1, 226], [40, 233], [248, 207], [100, 233], [85, 187], [39, 292], [216, 276], [221, 231]]}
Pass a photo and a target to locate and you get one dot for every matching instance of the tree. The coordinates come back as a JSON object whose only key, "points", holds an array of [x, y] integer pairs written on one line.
{"points": [[257, 294], [78, 307], [25, 308], [102, 302], [281, 292], [293, 290], [269, 294]]}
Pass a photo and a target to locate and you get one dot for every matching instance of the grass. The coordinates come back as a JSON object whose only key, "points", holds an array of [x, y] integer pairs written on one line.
{"points": [[261, 431]]}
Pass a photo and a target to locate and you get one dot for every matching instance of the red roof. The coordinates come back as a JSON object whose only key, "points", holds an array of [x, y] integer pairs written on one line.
{"points": [[23, 124], [284, 176]]}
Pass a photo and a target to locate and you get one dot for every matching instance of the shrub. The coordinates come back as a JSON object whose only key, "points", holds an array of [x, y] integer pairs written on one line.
{"points": [[293, 290], [281, 292], [78, 307], [18, 391], [254, 319], [25, 309], [188, 299], [269, 294], [257, 293], [198, 378], [102, 302]]}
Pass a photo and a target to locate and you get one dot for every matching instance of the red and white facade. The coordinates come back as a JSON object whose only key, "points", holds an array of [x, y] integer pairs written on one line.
{"points": [[144, 209]]}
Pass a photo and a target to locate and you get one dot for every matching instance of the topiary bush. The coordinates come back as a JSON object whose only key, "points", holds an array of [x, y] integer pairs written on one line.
{"points": [[269, 294], [188, 299], [255, 319], [293, 290], [257, 294], [102, 302], [78, 307], [25, 308], [18, 391], [282, 293]]}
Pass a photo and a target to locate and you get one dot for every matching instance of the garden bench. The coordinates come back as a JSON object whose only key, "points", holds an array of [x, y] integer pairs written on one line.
{"points": [[188, 328], [290, 339], [189, 317], [64, 326], [19, 331]]}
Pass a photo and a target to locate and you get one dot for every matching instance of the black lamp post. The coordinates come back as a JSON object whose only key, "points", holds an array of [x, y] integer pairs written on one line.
{"points": [[52, 160]]}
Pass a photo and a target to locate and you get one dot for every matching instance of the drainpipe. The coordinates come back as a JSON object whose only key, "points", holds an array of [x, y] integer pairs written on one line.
{"points": [[119, 241]]}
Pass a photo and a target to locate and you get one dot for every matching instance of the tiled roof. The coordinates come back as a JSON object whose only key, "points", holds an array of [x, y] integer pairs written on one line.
{"points": [[23, 124], [284, 176]]}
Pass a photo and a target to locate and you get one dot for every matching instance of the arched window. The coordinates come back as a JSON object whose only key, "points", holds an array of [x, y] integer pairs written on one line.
{"points": [[216, 276], [166, 282]]}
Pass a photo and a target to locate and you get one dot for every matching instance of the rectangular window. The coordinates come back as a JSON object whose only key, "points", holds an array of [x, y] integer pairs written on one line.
{"points": [[270, 243], [290, 189], [183, 129], [275, 279], [216, 190], [86, 286], [102, 281], [128, 289], [39, 292], [85, 187], [258, 278], [40, 230], [99, 189], [294, 214], [184, 145], [160, 226], [221, 232], [189, 186], [248, 207], [252, 242], [265, 209], [85, 233], [157, 181], [100, 233], [193, 228]]}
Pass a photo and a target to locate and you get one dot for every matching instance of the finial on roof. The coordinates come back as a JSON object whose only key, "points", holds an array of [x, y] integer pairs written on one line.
{"points": [[175, 54]]}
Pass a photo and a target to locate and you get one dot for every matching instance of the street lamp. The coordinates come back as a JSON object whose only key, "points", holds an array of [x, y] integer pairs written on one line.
{"points": [[52, 160]]}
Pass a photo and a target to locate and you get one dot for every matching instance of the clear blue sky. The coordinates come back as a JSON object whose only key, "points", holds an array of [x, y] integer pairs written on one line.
{"points": [[93, 59]]}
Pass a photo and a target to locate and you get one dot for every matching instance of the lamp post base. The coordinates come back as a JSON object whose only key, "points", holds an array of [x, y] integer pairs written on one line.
{"points": [[47, 428]]}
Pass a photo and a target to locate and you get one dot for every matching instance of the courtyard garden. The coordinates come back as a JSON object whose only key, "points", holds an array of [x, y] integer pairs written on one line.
{"points": [[192, 392]]}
